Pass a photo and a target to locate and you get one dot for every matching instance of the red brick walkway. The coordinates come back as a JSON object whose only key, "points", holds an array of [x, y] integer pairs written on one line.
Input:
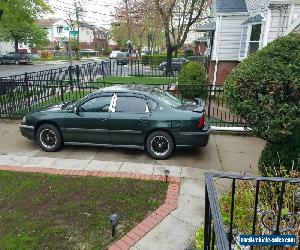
{"points": [[143, 227]]}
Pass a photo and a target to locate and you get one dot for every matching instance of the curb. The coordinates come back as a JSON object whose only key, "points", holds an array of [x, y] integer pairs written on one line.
{"points": [[145, 226]]}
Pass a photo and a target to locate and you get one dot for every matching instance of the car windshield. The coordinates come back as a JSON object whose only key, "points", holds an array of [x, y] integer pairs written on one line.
{"points": [[166, 98]]}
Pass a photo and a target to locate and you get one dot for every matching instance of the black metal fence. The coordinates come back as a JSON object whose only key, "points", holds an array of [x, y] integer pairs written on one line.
{"points": [[278, 218], [20, 94]]}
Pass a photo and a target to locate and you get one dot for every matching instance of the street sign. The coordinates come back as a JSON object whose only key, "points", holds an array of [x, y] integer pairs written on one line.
{"points": [[74, 33]]}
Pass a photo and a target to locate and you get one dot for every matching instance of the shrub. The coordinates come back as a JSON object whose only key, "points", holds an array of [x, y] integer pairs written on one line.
{"points": [[264, 89], [276, 155], [107, 51], [192, 81], [188, 52]]}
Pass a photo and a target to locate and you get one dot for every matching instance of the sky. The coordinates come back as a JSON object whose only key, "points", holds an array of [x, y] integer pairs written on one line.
{"points": [[96, 12]]}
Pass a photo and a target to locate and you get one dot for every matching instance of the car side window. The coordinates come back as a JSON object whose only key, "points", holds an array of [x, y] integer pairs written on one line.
{"points": [[152, 105], [97, 104], [131, 104]]}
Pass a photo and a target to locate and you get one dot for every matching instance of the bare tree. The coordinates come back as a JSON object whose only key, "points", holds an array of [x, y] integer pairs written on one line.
{"points": [[177, 17], [135, 20]]}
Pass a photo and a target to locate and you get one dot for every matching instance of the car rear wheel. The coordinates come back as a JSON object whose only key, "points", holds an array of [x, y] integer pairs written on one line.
{"points": [[49, 138], [160, 145]]}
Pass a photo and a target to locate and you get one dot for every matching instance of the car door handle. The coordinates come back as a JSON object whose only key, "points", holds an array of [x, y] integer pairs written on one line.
{"points": [[144, 119], [102, 119]]}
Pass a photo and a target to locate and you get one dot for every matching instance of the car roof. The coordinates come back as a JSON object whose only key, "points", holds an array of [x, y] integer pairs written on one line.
{"points": [[130, 88]]}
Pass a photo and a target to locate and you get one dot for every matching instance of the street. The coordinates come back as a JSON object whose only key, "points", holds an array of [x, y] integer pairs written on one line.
{"points": [[10, 70], [116, 70]]}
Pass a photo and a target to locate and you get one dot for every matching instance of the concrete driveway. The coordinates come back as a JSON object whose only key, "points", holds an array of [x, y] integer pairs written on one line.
{"points": [[228, 153]]}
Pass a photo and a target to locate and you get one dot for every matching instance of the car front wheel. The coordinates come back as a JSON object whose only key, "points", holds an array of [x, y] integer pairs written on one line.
{"points": [[160, 145], [49, 138]]}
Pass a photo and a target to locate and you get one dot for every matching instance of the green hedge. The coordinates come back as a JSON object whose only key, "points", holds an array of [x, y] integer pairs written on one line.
{"points": [[264, 89], [284, 155], [192, 81]]}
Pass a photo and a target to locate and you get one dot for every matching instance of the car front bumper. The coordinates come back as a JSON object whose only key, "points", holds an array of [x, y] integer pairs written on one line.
{"points": [[27, 131]]}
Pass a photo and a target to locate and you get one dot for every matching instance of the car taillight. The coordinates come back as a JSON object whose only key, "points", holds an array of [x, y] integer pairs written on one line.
{"points": [[201, 122]]}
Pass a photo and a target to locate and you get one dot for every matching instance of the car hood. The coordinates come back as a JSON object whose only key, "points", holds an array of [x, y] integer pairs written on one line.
{"points": [[51, 108]]}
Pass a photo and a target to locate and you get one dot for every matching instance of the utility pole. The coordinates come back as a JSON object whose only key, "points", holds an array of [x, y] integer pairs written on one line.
{"points": [[127, 19], [78, 10]]}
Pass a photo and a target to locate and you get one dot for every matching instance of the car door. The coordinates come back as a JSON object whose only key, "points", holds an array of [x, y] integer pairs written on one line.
{"points": [[129, 120], [11, 57], [89, 123]]}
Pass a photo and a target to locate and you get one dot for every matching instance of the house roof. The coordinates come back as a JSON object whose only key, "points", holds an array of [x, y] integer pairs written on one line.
{"points": [[224, 6], [254, 19], [47, 22], [206, 27]]}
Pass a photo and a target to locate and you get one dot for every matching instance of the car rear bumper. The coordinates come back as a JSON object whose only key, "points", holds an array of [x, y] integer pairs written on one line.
{"points": [[27, 131], [193, 139]]}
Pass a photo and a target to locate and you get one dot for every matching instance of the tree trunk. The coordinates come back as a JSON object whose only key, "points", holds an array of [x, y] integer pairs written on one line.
{"points": [[16, 45], [176, 53], [169, 69]]}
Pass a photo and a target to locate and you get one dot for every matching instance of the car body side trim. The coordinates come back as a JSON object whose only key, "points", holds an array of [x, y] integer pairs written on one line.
{"points": [[26, 126], [126, 131], [86, 130], [104, 145], [195, 133], [102, 130]]}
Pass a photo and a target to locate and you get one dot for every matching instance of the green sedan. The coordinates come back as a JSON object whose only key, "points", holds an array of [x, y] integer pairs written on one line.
{"points": [[130, 116]]}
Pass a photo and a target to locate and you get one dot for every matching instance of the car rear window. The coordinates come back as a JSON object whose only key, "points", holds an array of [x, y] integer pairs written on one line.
{"points": [[166, 98]]}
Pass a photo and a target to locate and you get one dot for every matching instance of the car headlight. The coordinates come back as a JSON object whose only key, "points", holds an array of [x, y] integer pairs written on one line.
{"points": [[24, 119]]}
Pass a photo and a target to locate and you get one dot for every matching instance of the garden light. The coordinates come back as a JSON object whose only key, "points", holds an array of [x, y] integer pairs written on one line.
{"points": [[167, 172], [114, 220]]}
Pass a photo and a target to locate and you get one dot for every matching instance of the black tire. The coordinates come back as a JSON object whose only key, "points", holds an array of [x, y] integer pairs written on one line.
{"points": [[160, 145], [49, 138]]}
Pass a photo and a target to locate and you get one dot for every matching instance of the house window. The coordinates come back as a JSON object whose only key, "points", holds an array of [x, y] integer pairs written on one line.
{"points": [[254, 38], [60, 30]]}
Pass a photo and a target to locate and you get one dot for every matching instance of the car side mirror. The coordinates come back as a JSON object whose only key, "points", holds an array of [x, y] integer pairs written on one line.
{"points": [[76, 110]]}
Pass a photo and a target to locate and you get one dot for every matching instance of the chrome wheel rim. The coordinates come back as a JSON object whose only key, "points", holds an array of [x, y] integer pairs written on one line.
{"points": [[160, 145], [48, 138]]}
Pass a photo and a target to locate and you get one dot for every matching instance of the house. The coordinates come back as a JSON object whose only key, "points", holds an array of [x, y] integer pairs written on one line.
{"points": [[92, 37], [240, 27], [58, 32]]}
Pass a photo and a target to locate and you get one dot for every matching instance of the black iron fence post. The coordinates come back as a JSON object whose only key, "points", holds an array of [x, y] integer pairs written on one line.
{"points": [[209, 100], [27, 89], [77, 76], [110, 67], [70, 77], [207, 222], [89, 66]]}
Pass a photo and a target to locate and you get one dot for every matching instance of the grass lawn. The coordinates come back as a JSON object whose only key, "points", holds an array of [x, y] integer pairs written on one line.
{"points": [[40, 211], [137, 80]]}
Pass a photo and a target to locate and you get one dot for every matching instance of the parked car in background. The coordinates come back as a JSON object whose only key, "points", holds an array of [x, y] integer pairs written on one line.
{"points": [[114, 54], [177, 63], [122, 58], [34, 57], [130, 116], [88, 50], [15, 58], [133, 56]]}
